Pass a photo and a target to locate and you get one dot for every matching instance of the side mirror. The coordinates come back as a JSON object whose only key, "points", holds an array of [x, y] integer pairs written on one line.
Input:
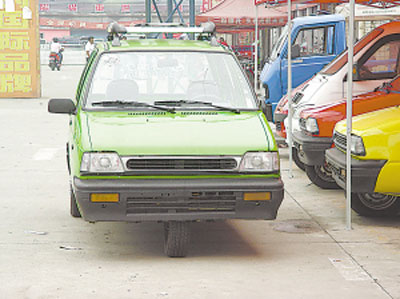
{"points": [[295, 51], [266, 108], [356, 72], [65, 106]]}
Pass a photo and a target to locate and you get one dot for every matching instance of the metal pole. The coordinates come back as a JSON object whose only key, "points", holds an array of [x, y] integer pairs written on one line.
{"points": [[349, 114], [289, 88], [169, 6], [256, 52], [148, 11], [192, 12]]}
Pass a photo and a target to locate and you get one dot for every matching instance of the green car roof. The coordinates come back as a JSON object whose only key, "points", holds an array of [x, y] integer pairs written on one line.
{"points": [[162, 44]]}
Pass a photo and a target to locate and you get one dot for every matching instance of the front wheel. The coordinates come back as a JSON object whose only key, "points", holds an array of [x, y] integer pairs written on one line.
{"points": [[321, 176], [296, 159], [176, 238], [375, 204]]}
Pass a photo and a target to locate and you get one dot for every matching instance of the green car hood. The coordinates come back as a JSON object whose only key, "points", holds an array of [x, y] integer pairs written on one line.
{"points": [[183, 133]]}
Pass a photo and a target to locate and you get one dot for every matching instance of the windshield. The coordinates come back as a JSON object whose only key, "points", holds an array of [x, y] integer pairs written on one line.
{"points": [[279, 44], [337, 63], [152, 78]]}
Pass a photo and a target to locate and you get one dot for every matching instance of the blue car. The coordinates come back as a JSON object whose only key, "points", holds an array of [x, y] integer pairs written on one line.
{"points": [[316, 41]]}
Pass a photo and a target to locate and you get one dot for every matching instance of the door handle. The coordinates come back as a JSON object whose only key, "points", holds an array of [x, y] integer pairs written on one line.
{"points": [[297, 61]]}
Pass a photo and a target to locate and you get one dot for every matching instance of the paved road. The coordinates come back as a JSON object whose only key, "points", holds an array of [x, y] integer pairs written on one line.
{"points": [[45, 253]]}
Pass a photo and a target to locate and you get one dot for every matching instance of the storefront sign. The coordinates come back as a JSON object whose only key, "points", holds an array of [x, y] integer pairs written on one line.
{"points": [[19, 50]]}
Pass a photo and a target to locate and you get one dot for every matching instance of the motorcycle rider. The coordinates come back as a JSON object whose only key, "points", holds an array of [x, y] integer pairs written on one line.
{"points": [[56, 48]]}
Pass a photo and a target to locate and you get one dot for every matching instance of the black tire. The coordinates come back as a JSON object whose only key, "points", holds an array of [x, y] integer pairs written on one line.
{"points": [[74, 207], [321, 176], [375, 204], [176, 238], [296, 159]]}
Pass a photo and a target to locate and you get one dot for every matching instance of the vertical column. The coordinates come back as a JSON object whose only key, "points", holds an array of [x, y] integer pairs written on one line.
{"points": [[349, 113], [192, 12], [256, 51], [169, 6], [148, 11], [289, 88]]}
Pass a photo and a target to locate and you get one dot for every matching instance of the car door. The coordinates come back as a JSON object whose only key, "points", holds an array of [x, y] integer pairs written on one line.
{"points": [[315, 46]]}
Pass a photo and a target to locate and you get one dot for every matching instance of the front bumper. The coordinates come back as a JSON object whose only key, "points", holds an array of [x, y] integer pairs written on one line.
{"points": [[312, 148], [178, 199], [364, 173]]}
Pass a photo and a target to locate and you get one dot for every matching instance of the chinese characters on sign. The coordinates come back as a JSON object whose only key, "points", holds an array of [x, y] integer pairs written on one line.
{"points": [[99, 7], [19, 68], [73, 7], [125, 8], [44, 7]]}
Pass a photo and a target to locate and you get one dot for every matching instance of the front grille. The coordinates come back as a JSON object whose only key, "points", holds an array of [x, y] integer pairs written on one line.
{"points": [[340, 141], [181, 164], [297, 97], [190, 202]]}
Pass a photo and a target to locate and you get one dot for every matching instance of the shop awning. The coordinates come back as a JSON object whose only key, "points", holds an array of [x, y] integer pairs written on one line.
{"points": [[240, 14]]}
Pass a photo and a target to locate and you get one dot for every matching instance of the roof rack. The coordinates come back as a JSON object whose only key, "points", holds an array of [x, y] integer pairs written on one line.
{"points": [[115, 28]]}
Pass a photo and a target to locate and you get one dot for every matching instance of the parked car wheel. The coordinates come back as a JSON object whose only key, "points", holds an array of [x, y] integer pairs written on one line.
{"points": [[321, 176], [74, 207], [296, 159], [176, 238], [375, 204]]}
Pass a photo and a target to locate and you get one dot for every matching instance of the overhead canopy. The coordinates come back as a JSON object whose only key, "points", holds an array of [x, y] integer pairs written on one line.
{"points": [[373, 3], [240, 14]]}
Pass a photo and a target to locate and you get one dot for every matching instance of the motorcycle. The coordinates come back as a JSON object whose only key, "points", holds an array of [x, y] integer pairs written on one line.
{"points": [[55, 60]]}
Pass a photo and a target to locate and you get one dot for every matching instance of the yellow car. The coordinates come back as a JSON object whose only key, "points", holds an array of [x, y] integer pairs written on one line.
{"points": [[375, 168]]}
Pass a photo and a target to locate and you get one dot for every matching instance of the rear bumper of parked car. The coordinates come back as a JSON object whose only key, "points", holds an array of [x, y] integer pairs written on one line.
{"points": [[312, 148], [178, 199], [364, 173]]}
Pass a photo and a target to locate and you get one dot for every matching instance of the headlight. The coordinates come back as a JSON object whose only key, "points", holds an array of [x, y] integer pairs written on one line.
{"points": [[260, 162], [311, 125], [357, 146], [101, 162]]}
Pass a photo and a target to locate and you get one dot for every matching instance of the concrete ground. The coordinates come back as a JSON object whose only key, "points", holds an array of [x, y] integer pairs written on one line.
{"points": [[45, 253]]}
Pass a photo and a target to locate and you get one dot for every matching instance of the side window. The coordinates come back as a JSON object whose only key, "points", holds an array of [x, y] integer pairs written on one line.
{"points": [[383, 63], [84, 75], [315, 41]]}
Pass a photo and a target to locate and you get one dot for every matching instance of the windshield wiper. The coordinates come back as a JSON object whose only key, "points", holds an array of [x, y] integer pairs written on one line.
{"points": [[131, 103], [179, 103]]}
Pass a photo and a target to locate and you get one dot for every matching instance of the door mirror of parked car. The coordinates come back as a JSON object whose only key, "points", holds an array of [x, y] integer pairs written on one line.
{"points": [[266, 108], [295, 51], [66, 106], [356, 72]]}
